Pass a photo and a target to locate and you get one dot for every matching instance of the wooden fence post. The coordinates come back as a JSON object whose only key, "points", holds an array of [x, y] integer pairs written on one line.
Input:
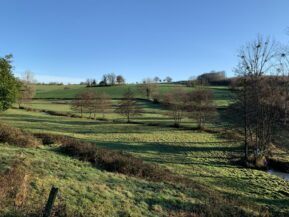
{"points": [[50, 202]]}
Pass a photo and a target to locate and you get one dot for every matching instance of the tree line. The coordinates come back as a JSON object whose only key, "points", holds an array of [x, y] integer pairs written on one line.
{"points": [[111, 79], [108, 79], [197, 104], [93, 103]]}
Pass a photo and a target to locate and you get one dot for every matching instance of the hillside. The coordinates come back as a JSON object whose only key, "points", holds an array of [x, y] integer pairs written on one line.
{"points": [[221, 94], [144, 108], [202, 157], [203, 178]]}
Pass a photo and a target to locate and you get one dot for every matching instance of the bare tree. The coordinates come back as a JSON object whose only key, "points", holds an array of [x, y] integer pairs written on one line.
{"points": [[83, 102], [108, 79], [148, 87], [284, 71], [259, 97], [27, 90], [111, 78], [77, 105], [93, 83], [175, 102], [157, 79], [168, 79], [200, 106], [88, 82], [104, 81], [88, 98], [101, 104], [128, 106]]}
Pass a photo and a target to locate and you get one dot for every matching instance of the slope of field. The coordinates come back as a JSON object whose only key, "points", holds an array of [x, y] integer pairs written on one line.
{"points": [[69, 91], [152, 113], [221, 94], [88, 191], [202, 157]]}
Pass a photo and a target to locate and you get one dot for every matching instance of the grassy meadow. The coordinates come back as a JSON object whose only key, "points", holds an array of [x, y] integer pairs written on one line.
{"points": [[221, 93], [204, 158]]}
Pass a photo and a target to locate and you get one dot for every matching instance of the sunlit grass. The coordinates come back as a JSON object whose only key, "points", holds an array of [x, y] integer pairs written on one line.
{"points": [[92, 192], [203, 157], [222, 95]]}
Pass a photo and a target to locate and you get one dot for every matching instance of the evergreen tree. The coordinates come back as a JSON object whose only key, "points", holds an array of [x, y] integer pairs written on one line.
{"points": [[9, 85]]}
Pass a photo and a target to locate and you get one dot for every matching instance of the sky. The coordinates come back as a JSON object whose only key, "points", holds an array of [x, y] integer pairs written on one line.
{"points": [[72, 40]]}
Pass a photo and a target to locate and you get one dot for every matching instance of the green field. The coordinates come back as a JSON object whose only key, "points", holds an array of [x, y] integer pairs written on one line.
{"points": [[204, 158], [58, 98], [222, 94]]}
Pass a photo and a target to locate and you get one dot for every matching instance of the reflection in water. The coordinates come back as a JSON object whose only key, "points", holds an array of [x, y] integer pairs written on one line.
{"points": [[280, 174]]}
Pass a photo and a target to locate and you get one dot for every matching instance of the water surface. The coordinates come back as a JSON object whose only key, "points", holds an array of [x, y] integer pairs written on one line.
{"points": [[280, 174]]}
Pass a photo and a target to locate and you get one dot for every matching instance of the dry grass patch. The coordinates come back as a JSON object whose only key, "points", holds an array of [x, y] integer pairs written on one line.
{"points": [[14, 186], [17, 137]]}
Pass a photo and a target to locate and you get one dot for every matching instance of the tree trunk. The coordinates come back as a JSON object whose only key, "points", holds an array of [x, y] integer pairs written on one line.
{"points": [[245, 123], [128, 118]]}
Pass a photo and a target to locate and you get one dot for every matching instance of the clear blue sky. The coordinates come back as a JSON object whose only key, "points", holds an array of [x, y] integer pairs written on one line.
{"points": [[71, 40]]}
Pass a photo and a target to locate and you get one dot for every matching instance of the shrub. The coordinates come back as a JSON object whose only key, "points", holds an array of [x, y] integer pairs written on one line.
{"points": [[109, 160], [15, 136], [13, 186], [127, 164]]}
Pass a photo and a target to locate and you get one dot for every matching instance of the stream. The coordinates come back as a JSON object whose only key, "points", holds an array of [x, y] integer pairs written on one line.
{"points": [[282, 175]]}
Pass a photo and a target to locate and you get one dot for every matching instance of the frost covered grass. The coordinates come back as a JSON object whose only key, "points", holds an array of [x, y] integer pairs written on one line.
{"points": [[205, 158]]}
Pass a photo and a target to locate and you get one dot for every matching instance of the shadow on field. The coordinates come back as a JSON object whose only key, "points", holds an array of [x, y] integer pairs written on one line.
{"points": [[208, 208], [172, 204], [221, 93], [50, 119], [168, 148], [61, 123], [277, 202]]}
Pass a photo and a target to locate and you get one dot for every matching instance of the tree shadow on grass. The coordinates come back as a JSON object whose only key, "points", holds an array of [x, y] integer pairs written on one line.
{"points": [[191, 162], [282, 203], [168, 148], [209, 208], [173, 204], [54, 119]]}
